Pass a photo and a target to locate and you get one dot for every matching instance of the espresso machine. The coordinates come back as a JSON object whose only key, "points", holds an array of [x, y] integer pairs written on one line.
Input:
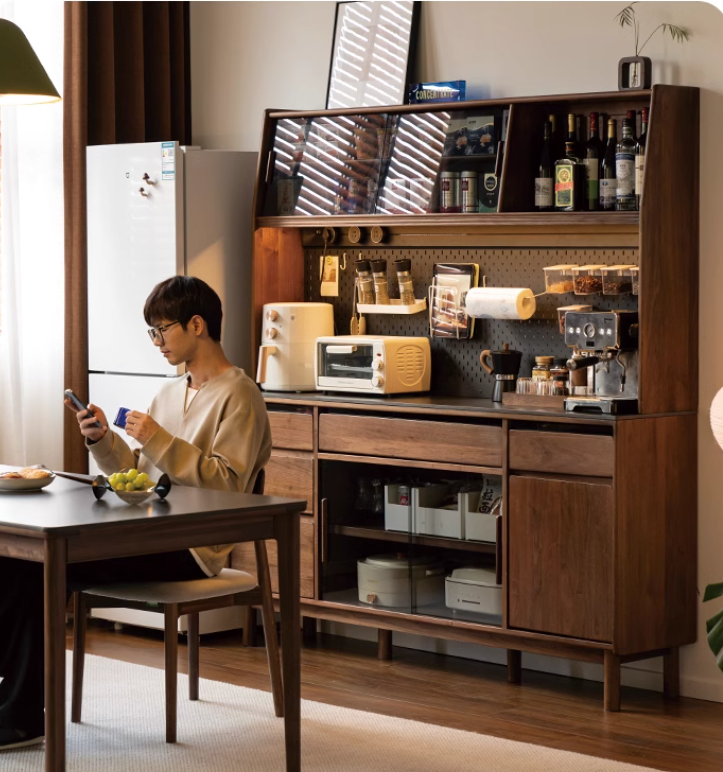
{"points": [[606, 344]]}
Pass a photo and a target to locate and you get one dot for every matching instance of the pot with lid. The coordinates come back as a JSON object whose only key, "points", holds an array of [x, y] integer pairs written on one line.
{"points": [[397, 581], [505, 367]]}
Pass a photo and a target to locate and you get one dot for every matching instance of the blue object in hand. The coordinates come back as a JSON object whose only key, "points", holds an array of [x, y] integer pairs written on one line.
{"points": [[120, 419]]}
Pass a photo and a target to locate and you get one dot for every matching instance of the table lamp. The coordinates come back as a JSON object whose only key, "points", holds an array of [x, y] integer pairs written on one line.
{"points": [[23, 80]]}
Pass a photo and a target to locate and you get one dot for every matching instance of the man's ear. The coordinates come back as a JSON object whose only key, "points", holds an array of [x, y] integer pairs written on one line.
{"points": [[198, 325]]}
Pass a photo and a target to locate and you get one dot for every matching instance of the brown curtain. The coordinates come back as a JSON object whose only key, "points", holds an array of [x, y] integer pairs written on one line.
{"points": [[126, 78]]}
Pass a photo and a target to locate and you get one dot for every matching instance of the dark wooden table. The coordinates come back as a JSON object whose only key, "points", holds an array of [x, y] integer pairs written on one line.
{"points": [[64, 524]]}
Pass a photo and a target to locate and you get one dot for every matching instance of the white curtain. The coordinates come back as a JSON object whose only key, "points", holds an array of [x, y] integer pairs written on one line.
{"points": [[31, 255]]}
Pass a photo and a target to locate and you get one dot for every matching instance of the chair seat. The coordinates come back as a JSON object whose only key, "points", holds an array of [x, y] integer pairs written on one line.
{"points": [[228, 582]]}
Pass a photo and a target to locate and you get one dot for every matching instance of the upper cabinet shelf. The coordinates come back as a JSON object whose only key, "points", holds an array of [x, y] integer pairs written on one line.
{"points": [[454, 164]]}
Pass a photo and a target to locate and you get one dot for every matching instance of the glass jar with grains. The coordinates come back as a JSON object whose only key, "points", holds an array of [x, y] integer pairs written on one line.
{"points": [[364, 282], [381, 285], [404, 277]]}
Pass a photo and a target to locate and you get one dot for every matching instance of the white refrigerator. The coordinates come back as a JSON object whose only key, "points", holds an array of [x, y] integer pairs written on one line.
{"points": [[156, 210]]}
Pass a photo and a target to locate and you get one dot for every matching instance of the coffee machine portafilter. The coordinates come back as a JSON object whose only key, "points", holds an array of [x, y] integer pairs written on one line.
{"points": [[605, 342]]}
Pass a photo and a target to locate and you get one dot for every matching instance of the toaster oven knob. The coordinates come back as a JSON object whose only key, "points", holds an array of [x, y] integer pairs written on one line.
{"points": [[377, 364], [271, 333], [377, 381], [272, 315]]}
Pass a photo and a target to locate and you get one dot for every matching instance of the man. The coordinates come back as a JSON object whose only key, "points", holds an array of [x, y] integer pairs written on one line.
{"points": [[208, 428]]}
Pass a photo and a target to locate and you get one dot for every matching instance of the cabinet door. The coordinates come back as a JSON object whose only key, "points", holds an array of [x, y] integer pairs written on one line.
{"points": [[291, 475], [560, 557]]}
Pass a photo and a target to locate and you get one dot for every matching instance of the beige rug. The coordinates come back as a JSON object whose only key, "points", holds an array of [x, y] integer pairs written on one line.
{"points": [[233, 729]]}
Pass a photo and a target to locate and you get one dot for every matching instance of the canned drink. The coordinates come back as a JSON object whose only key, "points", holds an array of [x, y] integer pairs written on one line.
{"points": [[404, 496], [468, 185], [449, 192]]}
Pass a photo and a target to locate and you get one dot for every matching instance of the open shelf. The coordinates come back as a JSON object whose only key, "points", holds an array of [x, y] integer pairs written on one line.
{"points": [[380, 534]]}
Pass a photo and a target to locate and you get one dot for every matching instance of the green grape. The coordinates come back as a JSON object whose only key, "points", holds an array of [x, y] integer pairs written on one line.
{"points": [[142, 477], [112, 480], [122, 477], [138, 486], [120, 486], [130, 487], [132, 474]]}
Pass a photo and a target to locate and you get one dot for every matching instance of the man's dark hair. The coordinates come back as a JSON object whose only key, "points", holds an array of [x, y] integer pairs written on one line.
{"points": [[182, 297]]}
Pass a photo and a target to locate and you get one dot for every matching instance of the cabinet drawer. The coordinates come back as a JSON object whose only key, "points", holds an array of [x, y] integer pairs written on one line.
{"points": [[402, 438], [293, 431], [559, 453], [243, 558], [291, 475]]}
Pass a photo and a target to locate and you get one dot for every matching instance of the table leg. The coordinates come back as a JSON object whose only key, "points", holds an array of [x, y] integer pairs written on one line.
{"points": [[54, 609], [286, 532]]}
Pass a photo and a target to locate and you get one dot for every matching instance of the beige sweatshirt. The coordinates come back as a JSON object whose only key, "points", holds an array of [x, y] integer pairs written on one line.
{"points": [[221, 442]]}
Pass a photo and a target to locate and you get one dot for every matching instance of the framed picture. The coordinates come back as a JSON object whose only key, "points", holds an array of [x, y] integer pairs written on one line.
{"points": [[374, 46]]}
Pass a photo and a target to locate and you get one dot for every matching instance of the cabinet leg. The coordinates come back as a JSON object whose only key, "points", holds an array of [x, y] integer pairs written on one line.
{"points": [[384, 640], [308, 629], [514, 666], [671, 673], [612, 682]]}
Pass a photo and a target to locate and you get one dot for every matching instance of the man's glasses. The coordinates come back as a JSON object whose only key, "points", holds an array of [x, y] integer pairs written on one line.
{"points": [[156, 333]]}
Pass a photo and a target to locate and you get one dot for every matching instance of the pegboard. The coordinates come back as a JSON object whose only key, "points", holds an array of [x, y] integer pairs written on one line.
{"points": [[456, 369]]}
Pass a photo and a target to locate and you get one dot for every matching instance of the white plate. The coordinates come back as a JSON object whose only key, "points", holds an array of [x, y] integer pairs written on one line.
{"points": [[21, 484]]}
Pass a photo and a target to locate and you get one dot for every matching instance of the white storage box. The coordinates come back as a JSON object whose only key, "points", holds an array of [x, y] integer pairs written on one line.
{"points": [[394, 581], [431, 520], [397, 517], [482, 526], [474, 590]]}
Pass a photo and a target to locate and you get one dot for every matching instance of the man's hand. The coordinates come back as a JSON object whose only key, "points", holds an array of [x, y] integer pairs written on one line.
{"points": [[86, 421], [140, 426]]}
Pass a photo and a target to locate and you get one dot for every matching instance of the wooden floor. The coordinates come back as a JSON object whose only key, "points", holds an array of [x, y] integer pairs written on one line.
{"points": [[555, 711]]}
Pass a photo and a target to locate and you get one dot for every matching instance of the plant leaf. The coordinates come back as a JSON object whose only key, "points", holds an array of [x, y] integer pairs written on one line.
{"points": [[713, 591], [713, 621], [679, 34], [626, 17], [715, 639]]}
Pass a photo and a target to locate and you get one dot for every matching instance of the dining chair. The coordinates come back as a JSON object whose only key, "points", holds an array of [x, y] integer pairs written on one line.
{"points": [[175, 599]]}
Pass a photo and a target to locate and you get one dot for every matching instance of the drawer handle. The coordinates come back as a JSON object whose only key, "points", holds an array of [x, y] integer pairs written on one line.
{"points": [[324, 529], [498, 549]]}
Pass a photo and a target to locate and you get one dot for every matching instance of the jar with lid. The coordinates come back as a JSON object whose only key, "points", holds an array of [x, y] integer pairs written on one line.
{"points": [[381, 285], [468, 202], [449, 192], [587, 279], [635, 279], [616, 280], [560, 376], [364, 282], [404, 277], [542, 369]]}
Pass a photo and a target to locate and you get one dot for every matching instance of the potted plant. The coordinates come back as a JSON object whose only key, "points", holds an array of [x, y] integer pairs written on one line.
{"points": [[636, 71], [714, 626]]}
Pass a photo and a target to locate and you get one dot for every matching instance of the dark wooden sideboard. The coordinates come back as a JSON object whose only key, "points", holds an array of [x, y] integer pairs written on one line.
{"points": [[596, 545]]}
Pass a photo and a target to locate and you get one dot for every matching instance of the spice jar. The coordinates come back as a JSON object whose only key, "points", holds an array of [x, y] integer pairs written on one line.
{"points": [[587, 279], [364, 282], [450, 192], [542, 369], [635, 279], [404, 277], [560, 377], [617, 280], [381, 286]]}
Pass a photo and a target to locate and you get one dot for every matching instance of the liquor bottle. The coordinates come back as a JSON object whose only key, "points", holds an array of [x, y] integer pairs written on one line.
{"points": [[608, 182], [572, 136], [625, 169], [579, 131], [593, 156], [632, 117], [570, 180], [640, 158], [557, 148], [545, 180]]}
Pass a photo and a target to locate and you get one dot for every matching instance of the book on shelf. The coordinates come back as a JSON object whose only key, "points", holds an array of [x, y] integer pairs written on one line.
{"points": [[447, 315]]}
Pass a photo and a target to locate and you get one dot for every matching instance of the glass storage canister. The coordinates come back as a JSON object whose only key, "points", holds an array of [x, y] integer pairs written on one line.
{"points": [[542, 369], [560, 377], [635, 279], [587, 279], [558, 279], [381, 285], [617, 280], [469, 202], [450, 189], [364, 282], [404, 277]]}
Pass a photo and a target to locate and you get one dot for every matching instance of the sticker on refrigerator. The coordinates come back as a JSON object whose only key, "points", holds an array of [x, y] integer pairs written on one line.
{"points": [[168, 160]]}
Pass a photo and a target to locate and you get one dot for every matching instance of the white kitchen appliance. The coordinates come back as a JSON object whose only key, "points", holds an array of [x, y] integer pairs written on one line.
{"points": [[475, 590], [288, 337], [157, 210], [396, 581], [371, 364]]}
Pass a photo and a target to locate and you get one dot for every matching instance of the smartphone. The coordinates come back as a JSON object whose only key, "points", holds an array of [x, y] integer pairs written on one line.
{"points": [[73, 397]]}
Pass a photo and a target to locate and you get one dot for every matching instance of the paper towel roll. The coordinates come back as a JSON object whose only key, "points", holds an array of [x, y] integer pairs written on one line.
{"points": [[500, 303]]}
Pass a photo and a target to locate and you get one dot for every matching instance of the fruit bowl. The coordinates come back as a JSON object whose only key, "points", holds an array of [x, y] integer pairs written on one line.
{"points": [[131, 486], [134, 497]]}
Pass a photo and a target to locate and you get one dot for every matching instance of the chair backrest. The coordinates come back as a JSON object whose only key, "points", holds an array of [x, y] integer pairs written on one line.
{"points": [[260, 482]]}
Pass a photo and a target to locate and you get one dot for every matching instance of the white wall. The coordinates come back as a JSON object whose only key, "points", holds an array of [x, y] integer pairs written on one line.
{"points": [[250, 56]]}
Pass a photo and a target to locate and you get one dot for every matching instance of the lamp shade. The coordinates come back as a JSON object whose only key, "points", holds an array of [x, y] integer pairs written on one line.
{"points": [[716, 417], [23, 80]]}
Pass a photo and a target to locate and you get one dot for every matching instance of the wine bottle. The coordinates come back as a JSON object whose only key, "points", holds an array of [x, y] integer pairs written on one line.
{"points": [[593, 157], [572, 136], [544, 182], [625, 169], [608, 182], [633, 118], [570, 182], [640, 158], [557, 148]]}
